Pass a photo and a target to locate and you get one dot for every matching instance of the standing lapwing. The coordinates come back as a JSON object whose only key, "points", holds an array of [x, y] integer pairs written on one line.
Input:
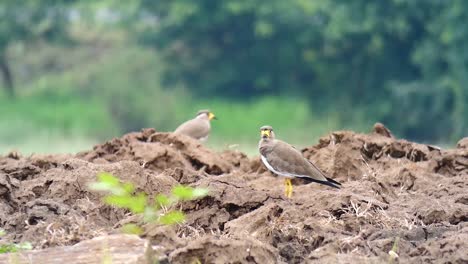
{"points": [[199, 127], [286, 161]]}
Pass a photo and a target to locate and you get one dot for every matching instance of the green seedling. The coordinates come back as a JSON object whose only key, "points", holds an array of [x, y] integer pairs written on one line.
{"points": [[123, 195], [393, 253], [13, 247]]}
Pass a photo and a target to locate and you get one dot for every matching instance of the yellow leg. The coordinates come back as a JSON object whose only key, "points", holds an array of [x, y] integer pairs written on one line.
{"points": [[289, 188]]}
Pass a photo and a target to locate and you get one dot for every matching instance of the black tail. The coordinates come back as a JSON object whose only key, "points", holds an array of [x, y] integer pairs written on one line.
{"points": [[329, 182], [333, 181]]}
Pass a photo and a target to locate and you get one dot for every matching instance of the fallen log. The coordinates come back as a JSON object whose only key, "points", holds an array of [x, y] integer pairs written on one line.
{"points": [[113, 249]]}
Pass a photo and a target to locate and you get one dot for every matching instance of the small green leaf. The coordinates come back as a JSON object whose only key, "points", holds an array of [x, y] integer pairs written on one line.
{"points": [[174, 217], [138, 203], [2, 232], [109, 183], [118, 201], [108, 178], [188, 193], [11, 248], [8, 248], [200, 192], [183, 192], [132, 229], [162, 200], [128, 187], [100, 186], [25, 246]]}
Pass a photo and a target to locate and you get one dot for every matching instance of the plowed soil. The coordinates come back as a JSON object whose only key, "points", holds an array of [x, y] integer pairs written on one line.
{"points": [[399, 195]]}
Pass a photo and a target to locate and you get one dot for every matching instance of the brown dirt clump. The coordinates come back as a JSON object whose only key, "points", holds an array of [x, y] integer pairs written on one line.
{"points": [[396, 194], [159, 151]]}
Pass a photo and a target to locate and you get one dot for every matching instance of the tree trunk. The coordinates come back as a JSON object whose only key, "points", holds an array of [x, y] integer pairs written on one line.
{"points": [[7, 77]]}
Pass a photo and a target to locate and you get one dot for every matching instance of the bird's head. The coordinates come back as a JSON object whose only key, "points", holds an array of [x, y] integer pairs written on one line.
{"points": [[267, 132], [206, 114]]}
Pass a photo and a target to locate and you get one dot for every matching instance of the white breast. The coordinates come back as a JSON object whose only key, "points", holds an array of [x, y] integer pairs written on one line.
{"points": [[203, 139], [283, 174], [270, 168]]}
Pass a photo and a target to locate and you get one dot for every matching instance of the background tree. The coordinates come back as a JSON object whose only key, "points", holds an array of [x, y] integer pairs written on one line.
{"points": [[28, 20], [361, 57], [306, 67]]}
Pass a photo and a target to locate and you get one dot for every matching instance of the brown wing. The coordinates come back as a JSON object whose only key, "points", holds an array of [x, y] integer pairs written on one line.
{"points": [[286, 159], [194, 128]]}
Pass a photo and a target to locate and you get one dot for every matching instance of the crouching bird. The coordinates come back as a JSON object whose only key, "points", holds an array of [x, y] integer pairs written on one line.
{"points": [[198, 128], [286, 161]]}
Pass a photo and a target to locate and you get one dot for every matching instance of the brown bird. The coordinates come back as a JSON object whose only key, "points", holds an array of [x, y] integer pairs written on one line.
{"points": [[197, 128], [286, 161]]}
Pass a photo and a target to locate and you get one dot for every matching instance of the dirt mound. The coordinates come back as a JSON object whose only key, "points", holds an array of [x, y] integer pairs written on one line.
{"points": [[159, 151], [47, 201], [396, 195]]}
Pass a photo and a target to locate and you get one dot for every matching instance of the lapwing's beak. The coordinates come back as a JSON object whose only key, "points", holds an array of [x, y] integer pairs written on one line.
{"points": [[265, 133], [211, 116]]}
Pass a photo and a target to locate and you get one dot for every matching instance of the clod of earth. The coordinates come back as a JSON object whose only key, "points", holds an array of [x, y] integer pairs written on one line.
{"points": [[393, 190]]}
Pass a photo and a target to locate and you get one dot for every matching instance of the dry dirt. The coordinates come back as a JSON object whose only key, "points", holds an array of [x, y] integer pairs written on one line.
{"points": [[394, 193]]}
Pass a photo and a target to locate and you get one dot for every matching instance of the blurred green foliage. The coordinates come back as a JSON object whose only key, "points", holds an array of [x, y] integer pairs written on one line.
{"points": [[26, 21], [123, 195], [12, 247], [93, 70]]}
